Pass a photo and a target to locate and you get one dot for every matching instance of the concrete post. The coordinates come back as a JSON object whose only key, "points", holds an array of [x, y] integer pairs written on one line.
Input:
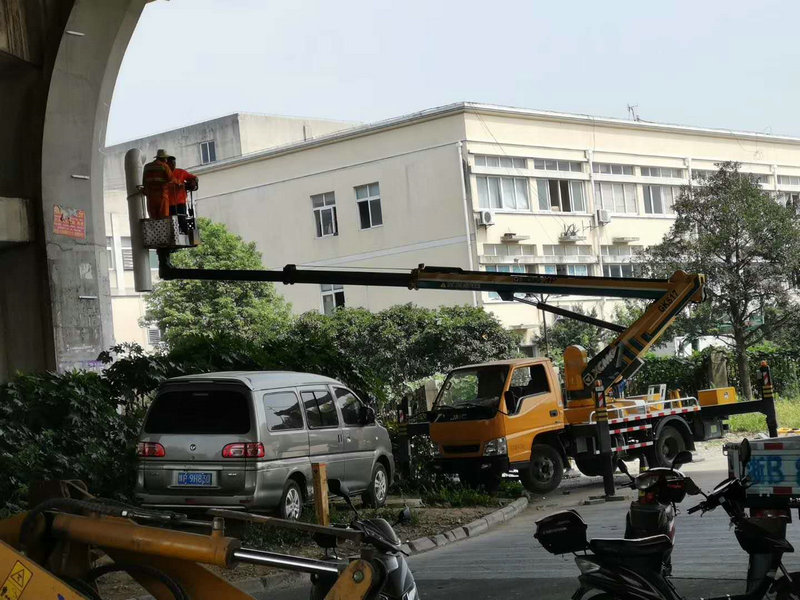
{"points": [[768, 399], [604, 439], [141, 256]]}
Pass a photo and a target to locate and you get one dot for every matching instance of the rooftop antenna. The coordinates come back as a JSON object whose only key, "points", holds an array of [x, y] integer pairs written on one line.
{"points": [[632, 112]]}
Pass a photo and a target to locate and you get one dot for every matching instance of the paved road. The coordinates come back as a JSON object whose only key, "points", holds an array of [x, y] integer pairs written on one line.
{"points": [[508, 563]]}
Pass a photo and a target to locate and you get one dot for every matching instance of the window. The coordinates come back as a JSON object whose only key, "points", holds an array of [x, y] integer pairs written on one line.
{"points": [[560, 195], [566, 270], [110, 251], [616, 197], [509, 193], [208, 152], [153, 336], [213, 411], [503, 269], [369, 205], [509, 250], [612, 169], [283, 411], [528, 381], [332, 297], [127, 253], [557, 165], [566, 250], [625, 270], [788, 180], [661, 172], [320, 410], [619, 252], [325, 214], [702, 174], [153, 255], [658, 199], [790, 200], [505, 162], [352, 409]]}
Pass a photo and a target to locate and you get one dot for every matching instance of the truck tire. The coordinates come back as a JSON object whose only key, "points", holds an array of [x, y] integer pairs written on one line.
{"points": [[543, 473], [668, 444]]}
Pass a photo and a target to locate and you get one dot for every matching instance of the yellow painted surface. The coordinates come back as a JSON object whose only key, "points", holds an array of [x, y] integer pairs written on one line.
{"points": [[712, 397], [23, 579]]}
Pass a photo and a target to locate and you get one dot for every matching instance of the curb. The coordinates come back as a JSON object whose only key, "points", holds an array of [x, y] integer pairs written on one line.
{"points": [[470, 530]]}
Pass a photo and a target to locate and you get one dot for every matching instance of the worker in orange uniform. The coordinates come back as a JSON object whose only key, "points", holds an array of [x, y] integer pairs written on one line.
{"points": [[156, 179], [182, 180]]}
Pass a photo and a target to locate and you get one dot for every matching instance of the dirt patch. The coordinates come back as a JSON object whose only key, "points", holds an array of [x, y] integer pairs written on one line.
{"points": [[425, 522]]}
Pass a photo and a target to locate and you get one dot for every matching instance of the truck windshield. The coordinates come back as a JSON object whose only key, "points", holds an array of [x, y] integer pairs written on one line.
{"points": [[473, 388]]}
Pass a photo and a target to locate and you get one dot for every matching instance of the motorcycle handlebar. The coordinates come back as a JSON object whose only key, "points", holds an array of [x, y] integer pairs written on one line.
{"points": [[694, 509]]}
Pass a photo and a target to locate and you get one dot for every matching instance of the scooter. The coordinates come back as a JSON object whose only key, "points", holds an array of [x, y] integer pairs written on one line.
{"points": [[397, 581], [653, 512], [631, 569]]}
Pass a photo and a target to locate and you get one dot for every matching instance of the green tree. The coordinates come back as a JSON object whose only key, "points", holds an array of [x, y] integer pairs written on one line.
{"points": [[747, 245], [187, 308]]}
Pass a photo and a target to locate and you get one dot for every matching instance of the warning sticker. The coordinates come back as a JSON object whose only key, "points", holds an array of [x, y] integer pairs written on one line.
{"points": [[16, 582]]}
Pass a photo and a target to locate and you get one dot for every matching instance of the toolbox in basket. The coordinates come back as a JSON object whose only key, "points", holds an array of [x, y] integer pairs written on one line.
{"points": [[773, 468], [562, 532]]}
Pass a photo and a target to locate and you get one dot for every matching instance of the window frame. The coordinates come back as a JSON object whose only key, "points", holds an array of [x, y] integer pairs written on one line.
{"points": [[315, 390], [646, 187], [517, 183], [298, 400], [599, 197], [545, 164], [552, 269], [334, 290], [368, 200], [207, 149], [517, 162], [319, 230], [597, 167], [548, 185], [362, 405]]}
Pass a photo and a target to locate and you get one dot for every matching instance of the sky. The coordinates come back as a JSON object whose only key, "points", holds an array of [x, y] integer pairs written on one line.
{"points": [[729, 64]]}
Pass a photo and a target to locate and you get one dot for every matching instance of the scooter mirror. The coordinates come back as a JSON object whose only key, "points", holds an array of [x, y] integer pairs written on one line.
{"points": [[683, 457], [691, 487], [336, 487], [744, 452], [404, 516]]}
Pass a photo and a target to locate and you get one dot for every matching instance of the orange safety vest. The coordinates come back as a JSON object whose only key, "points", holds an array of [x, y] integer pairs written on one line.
{"points": [[177, 187], [156, 177]]}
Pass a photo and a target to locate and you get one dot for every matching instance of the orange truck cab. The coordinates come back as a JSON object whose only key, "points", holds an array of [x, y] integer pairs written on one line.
{"points": [[492, 417]]}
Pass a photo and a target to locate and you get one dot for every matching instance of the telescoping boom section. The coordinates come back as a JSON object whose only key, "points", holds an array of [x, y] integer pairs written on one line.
{"points": [[619, 360]]}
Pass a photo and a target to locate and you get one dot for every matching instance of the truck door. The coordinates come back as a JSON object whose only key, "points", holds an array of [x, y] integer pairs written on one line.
{"points": [[533, 405]]}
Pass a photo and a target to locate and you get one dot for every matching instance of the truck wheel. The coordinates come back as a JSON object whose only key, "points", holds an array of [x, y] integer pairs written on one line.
{"points": [[669, 443], [544, 472]]}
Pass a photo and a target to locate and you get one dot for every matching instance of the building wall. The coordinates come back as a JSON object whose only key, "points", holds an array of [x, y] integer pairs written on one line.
{"points": [[258, 130], [266, 198]]}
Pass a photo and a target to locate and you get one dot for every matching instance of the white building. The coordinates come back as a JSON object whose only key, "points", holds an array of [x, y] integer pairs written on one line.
{"points": [[478, 187], [203, 143]]}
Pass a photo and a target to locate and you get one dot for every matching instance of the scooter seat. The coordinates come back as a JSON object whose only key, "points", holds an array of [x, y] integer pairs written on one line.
{"points": [[655, 544]]}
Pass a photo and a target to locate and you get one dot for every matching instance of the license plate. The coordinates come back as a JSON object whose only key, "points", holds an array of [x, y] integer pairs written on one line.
{"points": [[194, 478], [776, 472]]}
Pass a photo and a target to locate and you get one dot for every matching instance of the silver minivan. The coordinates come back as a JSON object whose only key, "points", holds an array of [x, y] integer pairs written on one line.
{"points": [[247, 440]]}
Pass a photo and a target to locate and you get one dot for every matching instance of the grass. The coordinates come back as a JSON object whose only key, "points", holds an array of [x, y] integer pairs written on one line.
{"points": [[788, 412]]}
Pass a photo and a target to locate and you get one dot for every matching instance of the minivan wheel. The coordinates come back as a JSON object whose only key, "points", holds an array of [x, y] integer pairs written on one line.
{"points": [[378, 489], [291, 506]]}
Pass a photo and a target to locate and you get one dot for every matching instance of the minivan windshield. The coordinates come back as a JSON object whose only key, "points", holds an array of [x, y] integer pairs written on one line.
{"points": [[476, 388], [206, 411]]}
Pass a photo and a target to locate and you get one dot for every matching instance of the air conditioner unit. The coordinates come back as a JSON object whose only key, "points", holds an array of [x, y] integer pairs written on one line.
{"points": [[603, 216], [485, 217]]}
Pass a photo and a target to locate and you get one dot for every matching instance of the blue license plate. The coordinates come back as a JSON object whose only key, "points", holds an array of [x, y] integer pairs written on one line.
{"points": [[194, 478]]}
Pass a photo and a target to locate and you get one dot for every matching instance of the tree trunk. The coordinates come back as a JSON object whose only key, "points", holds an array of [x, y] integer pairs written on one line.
{"points": [[743, 363]]}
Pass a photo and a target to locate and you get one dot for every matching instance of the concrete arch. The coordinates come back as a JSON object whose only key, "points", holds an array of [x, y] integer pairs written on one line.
{"points": [[59, 61]]}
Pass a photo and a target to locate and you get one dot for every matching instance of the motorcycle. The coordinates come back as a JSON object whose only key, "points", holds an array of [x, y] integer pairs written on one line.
{"points": [[632, 569], [396, 580]]}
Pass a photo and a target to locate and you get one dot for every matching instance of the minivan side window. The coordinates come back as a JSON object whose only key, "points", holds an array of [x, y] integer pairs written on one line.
{"points": [[351, 407], [283, 411], [320, 409]]}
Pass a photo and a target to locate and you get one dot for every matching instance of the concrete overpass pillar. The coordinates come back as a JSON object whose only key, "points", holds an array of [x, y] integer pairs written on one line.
{"points": [[59, 61]]}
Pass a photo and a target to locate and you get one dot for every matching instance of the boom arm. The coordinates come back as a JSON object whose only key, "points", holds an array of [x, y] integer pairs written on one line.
{"points": [[620, 359]]}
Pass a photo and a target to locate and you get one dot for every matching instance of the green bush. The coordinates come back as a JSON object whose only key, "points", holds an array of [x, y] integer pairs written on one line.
{"points": [[64, 426], [787, 411]]}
